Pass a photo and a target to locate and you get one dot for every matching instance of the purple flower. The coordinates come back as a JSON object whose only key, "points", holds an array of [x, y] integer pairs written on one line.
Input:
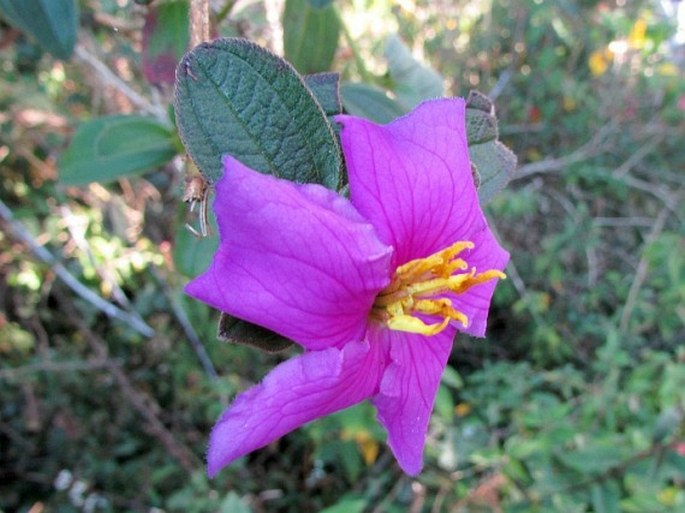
{"points": [[374, 288]]}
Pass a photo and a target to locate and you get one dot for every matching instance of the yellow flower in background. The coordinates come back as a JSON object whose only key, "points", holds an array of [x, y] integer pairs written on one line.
{"points": [[667, 69], [462, 409], [599, 61], [636, 38], [569, 103], [368, 445]]}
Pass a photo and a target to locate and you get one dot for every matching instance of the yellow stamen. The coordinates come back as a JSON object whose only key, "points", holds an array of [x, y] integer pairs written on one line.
{"points": [[416, 285]]}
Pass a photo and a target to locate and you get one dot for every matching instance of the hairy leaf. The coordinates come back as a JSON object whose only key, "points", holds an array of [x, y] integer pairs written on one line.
{"points": [[326, 89], [493, 163], [234, 97]]}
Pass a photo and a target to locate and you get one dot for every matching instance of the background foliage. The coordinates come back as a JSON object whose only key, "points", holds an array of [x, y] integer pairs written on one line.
{"points": [[575, 401]]}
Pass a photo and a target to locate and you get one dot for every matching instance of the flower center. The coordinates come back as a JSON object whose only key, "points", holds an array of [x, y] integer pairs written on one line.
{"points": [[415, 288]]}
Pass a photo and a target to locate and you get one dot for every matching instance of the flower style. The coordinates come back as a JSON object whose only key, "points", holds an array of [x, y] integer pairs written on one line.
{"points": [[374, 288]]}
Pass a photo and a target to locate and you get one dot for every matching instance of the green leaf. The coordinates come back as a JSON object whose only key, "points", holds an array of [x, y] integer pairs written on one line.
{"points": [[370, 102], [493, 163], [596, 457], [114, 146], [347, 505], [232, 503], [192, 255], [311, 30], [452, 378], [413, 82], [667, 424], [326, 89], [481, 127], [234, 97], [605, 497], [444, 403], [52, 23]]}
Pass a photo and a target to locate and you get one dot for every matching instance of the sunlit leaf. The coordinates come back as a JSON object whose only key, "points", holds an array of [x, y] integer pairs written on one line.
{"points": [[413, 81]]}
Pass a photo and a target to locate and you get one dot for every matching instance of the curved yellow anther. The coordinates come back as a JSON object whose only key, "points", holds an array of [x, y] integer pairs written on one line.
{"points": [[442, 307], [417, 285], [412, 324]]}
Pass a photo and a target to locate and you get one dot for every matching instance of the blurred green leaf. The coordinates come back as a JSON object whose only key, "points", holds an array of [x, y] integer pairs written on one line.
{"points": [[347, 505], [53, 23], [412, 81], [234, 97], [444, 403], [114, 146], [192, 255], [232, 503], [606, 497], [348, 456], [369, 102], [451, 378], [596, 457], [310, 34], [667, 423]]}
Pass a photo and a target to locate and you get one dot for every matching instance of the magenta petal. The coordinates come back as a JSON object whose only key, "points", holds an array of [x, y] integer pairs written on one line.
{"points": [[412, 178], [296, 259], [295, 392], [408, 390]]}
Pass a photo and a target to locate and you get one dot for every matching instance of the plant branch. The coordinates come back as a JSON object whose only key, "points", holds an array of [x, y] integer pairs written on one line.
{"points": [[593, 147], [144, 404], [186, 325], [108, 77], [358, 60], [225, 11], [199, 22], [642, 269], [54, 366], [17, 230]]}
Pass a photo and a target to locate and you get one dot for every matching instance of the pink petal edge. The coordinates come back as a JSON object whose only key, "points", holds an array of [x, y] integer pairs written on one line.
{"points": [[408, 389], [297, 391]]}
